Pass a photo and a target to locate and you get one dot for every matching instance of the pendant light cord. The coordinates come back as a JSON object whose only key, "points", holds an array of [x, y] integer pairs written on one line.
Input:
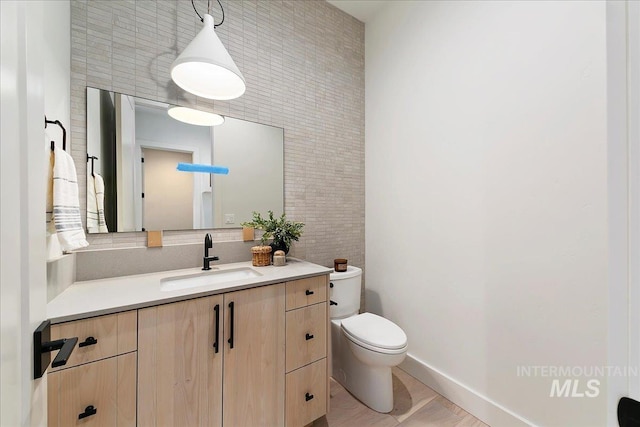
{"points": [[209, 11], [222, 9], [196, 10]]}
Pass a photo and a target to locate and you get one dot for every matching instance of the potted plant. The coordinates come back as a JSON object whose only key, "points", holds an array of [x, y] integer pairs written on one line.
{"points": [[280, 229]]}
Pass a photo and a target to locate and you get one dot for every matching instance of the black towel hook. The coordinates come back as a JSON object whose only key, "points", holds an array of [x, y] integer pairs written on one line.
{"points": [[64, 132]]}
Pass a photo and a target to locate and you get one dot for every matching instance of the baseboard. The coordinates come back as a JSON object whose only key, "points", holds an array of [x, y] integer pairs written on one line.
{"points": [[479, 406]]}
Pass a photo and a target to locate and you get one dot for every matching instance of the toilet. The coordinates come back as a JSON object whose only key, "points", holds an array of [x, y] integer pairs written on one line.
{"points": [[364, 346]]}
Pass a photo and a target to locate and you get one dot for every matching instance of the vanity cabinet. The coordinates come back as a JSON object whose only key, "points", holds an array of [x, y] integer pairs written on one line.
{"points": [[307, 361], [97, 386], [182, 349], [253, 357]]}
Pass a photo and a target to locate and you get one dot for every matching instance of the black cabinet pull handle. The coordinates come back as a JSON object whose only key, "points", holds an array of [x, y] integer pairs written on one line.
{"points": [[230, 341], [331, 284], [217, 332], [308, 336], [88, 411], [332, 302], [88, 341], [308, 397], [308, 292]]}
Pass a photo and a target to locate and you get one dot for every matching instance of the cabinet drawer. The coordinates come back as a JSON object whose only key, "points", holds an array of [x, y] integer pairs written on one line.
{"points": [[112, 335], [306, 335], [306, 394], [305, 292], [109, 386]]}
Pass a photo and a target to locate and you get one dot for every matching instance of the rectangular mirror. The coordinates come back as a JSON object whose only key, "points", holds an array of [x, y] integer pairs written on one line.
{"points": [[134, 146]]}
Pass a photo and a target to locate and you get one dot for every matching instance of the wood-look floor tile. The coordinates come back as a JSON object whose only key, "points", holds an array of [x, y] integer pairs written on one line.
{"points": [[415, 405], [433, 414], [347, 411], [470, 420], [409, 395]]}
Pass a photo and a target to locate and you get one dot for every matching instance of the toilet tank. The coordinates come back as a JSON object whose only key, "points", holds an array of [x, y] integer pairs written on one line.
{"points": [[344, 289]]}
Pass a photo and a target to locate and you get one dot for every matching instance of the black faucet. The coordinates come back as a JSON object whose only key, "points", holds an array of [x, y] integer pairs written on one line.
{"points": [[208, 244]]}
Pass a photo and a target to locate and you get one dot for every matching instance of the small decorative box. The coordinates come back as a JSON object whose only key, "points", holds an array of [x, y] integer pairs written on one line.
{"points": [[261, 256]]}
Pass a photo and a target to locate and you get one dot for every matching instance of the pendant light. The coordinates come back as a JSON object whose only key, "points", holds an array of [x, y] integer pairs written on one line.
{"points": [[195, 117], [205, 68]]}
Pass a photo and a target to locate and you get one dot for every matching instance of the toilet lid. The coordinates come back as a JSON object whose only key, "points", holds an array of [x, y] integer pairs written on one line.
{"points": [[376, 331]]}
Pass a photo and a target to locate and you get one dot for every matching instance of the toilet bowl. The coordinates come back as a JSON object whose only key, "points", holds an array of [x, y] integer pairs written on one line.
{"points": [[364, 346]]}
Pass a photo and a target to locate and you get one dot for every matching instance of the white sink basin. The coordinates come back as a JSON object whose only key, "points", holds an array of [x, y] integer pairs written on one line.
{"points": [[209, 278]]}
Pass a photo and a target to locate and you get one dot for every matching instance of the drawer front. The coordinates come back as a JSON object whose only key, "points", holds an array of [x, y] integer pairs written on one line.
{"points": [[102, 393], [306, 335], [98, 337], [303, 292], [306, 394]]}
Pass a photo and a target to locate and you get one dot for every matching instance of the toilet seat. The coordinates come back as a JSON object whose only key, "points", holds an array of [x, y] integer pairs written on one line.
{"points": [[375, 333]]}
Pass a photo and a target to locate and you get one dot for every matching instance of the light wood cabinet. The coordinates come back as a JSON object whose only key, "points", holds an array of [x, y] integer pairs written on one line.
{"points": [[245, 358], [308, 351], [179, 370], [306, 335], [307, 394], [254, 382], [181, 379], [102, 393], [97, 386], [304, 292], [98, 337]]}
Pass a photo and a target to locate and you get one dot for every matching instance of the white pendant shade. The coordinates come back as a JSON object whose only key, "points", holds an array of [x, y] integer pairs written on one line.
{"points": [[206, 69], [195, 117]]}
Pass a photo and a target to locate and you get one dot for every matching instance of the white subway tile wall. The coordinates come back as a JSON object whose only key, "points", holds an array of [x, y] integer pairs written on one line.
{"points": [[303, 61]]}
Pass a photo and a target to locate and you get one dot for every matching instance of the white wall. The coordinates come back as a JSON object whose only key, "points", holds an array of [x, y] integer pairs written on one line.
{"points": [[27, 39], [622, 185], [486, 198], [57, 83], [633, 104], [57, 68]]}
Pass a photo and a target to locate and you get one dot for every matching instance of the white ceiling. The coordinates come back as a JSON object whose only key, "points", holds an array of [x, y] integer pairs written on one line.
{"points": [[363, 10]]}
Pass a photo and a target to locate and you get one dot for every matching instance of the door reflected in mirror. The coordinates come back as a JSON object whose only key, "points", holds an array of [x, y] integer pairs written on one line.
{"points": [[138, 146]]}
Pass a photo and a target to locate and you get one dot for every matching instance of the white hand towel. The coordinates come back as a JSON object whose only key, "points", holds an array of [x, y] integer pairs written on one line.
{"points": [[66, 204], [92, 206], [102, 223], [53, 244], [50, 227], [95, 205]]}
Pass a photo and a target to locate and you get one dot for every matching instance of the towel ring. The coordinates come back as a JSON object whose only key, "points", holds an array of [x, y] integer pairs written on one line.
{"points": [[64, 133]]}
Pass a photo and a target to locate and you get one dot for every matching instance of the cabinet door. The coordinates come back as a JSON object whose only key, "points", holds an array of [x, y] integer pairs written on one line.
{"points": [[303, 292], [179, 371], [96, 394], [98, 337], [307, 394], [306, 335], [254, 357]]}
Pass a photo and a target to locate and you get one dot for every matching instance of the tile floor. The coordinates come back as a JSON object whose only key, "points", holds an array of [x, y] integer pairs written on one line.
{"points": [[415, 405]]}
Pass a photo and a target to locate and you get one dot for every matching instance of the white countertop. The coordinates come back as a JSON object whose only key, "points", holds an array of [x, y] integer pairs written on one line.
{"points": [[104, 296]]}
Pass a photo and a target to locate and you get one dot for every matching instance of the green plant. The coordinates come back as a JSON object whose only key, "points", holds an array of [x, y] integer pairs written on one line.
{"points": [[282, 231]]}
